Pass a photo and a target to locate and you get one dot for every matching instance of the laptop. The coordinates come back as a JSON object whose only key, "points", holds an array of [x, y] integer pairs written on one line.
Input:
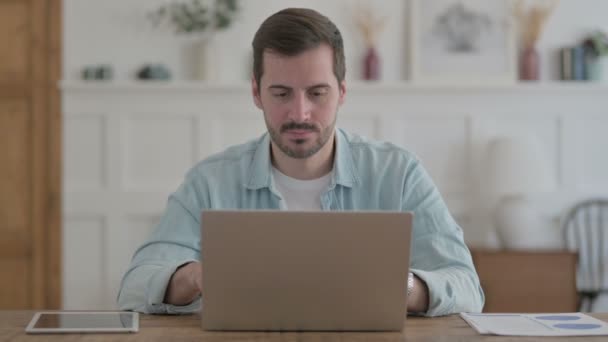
{"points": [[305, 271]]}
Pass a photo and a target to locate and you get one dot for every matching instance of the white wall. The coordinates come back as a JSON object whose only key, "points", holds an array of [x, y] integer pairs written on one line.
{"points": [[117, 32], [115, 189]]}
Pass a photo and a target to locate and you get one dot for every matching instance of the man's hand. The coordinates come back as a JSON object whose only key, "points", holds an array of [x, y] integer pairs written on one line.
{"points": [[186, 284], [418, 301]]}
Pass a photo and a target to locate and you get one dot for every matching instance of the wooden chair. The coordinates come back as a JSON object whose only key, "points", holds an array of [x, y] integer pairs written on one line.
{"points": [[585, 230]]}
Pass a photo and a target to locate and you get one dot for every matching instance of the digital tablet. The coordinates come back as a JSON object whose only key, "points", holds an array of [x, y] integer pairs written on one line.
{"points": [[83, 322]]}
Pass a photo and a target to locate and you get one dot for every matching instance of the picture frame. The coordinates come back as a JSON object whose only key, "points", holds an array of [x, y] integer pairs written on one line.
{"points": [[462, 42]]}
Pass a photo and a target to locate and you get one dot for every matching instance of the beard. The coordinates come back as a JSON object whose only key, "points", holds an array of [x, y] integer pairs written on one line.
{"points": [[300, 151]]}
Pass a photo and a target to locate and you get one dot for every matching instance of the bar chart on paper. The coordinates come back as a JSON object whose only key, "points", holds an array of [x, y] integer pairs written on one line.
{"points": [[561, 324]]}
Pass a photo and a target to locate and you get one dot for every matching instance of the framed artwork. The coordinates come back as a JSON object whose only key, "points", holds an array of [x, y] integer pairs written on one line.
{"points": [[462, 42]]}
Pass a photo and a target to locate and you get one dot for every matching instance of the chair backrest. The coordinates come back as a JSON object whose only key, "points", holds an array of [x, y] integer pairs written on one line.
{"points": [[585, 230]]}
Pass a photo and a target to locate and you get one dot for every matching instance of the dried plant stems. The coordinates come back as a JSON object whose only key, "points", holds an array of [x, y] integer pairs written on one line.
{"points": [[532, 21], [369, 25]]}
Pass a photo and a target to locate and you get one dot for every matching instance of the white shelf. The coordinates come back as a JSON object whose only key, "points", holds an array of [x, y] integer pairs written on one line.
{"points": [[572, 87]]}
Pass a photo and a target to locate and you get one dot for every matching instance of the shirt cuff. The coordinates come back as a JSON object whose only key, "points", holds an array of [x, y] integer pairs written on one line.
{"points": [[440, 297], [156, 293]]}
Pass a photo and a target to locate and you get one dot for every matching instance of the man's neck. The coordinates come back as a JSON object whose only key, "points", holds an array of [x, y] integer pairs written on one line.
{"points": [[313, 167]]}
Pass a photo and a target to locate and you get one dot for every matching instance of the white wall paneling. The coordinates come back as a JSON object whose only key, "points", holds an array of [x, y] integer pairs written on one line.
{"points": [[230, 128], [84, 260], [128, 146], [147, 136], [590, 141], [85, 142]]}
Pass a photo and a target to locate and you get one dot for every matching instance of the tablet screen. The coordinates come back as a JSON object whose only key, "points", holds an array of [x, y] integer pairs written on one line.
{"points": [[84, 322]]}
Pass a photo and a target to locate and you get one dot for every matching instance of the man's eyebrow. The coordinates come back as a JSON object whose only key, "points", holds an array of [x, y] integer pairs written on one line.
{"points": [[279, 87], [320, 85], [284, 87]]}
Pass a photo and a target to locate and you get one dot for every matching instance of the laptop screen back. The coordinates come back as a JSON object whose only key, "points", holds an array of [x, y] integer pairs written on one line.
{"points": [[281, 270]]}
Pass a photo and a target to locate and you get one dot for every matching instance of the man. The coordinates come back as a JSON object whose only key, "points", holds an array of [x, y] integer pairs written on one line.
{"points": [[303, 163]]}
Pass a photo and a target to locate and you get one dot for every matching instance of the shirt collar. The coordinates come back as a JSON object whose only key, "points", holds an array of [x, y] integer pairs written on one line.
{"points": [[260, 169]]}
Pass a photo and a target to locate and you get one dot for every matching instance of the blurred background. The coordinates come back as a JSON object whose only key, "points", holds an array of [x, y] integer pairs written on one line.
{"points": [[105, 105]]}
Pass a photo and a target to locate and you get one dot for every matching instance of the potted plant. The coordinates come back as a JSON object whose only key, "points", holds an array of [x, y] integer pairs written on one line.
{"points": [[199, 17], [596, 48]]}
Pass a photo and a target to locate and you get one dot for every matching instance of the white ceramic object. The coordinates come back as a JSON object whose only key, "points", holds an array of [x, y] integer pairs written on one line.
{"points": [[207, 62], [519, 226]]}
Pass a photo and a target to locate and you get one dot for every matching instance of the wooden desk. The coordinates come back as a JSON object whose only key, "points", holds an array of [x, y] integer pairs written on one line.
{"points": [[188, 328], [527, 281]]}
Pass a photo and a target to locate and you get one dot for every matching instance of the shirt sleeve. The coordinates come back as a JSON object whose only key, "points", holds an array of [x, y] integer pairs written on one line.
{"points": [[439, 255], [174, 242]]}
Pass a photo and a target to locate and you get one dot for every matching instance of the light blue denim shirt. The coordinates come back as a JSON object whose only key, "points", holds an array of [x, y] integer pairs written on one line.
{"points": [[367, 175]]}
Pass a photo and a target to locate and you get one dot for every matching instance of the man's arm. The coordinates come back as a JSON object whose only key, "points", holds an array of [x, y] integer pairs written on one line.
{"points": [[186, 284], [440, 258], [418, 300], [174, 243]]}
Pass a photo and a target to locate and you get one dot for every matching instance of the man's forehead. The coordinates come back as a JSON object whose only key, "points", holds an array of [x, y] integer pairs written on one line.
{"points": [[315, 48], [307, 69], [321, 54]]}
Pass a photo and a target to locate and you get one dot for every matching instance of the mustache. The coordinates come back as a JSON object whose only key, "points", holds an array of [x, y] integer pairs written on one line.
{"points": [[298, 126]]}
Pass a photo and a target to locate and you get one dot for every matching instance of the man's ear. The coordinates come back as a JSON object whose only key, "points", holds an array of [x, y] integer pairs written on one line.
{"points": [[255, 92], [342, 89]]}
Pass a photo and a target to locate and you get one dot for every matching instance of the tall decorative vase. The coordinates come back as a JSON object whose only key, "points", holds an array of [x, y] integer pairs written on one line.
{"points": [[529, 65], [207, 64], [371, 65]]}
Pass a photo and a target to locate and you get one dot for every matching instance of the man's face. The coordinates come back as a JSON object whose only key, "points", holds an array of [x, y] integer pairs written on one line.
{"points": [[299, 96]]}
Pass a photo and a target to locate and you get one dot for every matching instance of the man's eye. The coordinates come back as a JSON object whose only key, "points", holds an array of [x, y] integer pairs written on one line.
{"points": [[318, 93], [280, 95]]}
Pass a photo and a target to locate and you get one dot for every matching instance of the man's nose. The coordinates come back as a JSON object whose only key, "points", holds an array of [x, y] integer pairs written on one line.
{"points": [[301, 108]]}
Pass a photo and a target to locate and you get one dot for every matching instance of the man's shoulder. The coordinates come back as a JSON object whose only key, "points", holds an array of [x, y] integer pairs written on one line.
{"points": [[364, 147], [236, 155]]}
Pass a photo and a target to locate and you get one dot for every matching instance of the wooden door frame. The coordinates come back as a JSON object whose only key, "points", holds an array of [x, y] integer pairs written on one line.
{"points": [[46, 151], [55, 237]]}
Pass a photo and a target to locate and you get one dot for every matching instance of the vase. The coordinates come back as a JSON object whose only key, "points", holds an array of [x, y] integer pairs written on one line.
{"points": [[206, 66], [371, 65], [597, 69], [519, 226], [529, 66]]}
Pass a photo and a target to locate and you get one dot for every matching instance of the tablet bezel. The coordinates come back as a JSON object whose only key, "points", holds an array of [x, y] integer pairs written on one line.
{"points": [[30, 329]]}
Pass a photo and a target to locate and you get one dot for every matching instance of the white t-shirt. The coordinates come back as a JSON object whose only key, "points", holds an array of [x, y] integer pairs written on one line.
{"points": [[301, 194]]}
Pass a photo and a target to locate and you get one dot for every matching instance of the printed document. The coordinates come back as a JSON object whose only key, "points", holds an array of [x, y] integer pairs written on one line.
{"points": [[514, 324]]}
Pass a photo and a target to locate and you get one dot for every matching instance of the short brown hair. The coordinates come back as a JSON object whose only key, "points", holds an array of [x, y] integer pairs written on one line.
{"points": [[292, 31]]}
